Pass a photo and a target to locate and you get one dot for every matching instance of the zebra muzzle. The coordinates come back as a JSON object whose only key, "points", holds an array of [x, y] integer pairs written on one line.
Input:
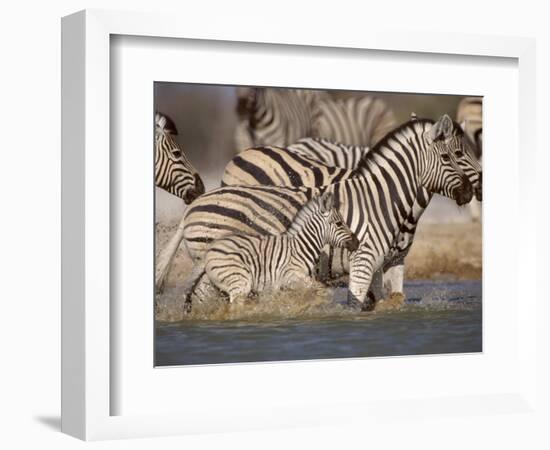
{"points": [[478, 189], [464, 193], [196, 191]]}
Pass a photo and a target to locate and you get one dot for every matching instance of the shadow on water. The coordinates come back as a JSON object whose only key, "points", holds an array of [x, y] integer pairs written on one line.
{"points": [[438, 317]]}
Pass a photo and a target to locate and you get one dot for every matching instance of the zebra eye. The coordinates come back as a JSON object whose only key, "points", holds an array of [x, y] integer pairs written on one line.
{"points": [[445, 157], [176, 153], [459, 153]]}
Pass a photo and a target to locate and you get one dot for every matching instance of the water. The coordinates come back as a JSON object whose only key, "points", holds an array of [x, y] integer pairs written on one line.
{"points": [[438, 317]]}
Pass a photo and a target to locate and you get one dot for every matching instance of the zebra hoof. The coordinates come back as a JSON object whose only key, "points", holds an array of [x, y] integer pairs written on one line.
{"points": [[187, 307], [369, 304], [354, 303]]}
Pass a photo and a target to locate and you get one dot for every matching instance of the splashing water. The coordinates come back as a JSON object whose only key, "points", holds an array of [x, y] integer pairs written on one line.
{"points": [[438, 317]]}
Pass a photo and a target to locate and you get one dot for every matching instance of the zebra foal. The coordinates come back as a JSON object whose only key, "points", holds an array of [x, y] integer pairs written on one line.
{"points": [[239, 264]]}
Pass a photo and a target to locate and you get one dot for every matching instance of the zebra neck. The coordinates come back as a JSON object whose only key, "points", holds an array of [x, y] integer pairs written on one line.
{"points": [[307, 235], [394, 163]]}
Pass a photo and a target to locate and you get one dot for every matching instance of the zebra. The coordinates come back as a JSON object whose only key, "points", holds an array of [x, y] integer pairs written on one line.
{"points": [[280, 117], [470, 116], [175, 174], [381, 198], [238, 264], [173, 171], [274, 116], [307, 162], [359, 120], [329, 152], [334, 262], [289, 166]]}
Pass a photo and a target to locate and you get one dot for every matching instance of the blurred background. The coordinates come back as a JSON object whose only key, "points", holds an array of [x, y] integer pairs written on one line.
{"points": [[205, 116]]}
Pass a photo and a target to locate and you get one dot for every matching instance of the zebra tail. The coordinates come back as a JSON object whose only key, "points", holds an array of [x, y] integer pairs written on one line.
{"points": [[190, 283]]}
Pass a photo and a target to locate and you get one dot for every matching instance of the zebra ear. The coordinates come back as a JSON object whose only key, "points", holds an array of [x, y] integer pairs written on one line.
{"points": [[327, 201], [443, 128]]}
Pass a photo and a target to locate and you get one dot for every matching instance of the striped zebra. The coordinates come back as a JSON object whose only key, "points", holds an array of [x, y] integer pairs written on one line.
{"points": [[470, 116], [274, 116], [335, 262], [238, 264], [279, 117], [329, 152], [292, 165], [359, 120], [175, 174], [381, 198], [173, 171]]}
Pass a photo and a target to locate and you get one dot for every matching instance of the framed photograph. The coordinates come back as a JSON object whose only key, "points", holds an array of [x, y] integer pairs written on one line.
{"points": [[307, 219]]}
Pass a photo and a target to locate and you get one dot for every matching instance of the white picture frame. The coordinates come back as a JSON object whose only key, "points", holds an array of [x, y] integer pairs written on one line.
{"points": [[88, 386]]}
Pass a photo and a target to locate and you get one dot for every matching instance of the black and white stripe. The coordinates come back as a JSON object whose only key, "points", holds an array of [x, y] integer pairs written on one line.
{"points": [[274, 116], [470, 116], [295, 165], [378, 204], [239, 264], [329, 152], [173, 171], [358, 120], [279, 117]]}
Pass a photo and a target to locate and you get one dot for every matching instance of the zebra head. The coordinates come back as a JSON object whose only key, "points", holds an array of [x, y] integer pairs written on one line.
{"points": [[448, 168], [337, 233], [471, 159], [468, 158], [173, 171]]}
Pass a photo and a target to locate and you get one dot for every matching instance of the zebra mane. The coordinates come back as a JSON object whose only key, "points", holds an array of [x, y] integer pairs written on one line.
{"points": [[382, 145]]}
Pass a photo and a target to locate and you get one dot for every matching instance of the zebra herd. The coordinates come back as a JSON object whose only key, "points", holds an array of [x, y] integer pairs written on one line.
{"points": [[239, 264], [265, 220]]}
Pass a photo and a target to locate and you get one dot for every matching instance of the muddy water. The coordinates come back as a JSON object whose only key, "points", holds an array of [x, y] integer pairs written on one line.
{"points": [[438, 317]]}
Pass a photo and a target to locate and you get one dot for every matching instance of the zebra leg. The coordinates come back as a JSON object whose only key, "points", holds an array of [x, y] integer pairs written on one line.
{"points": [[164, 261], [237, 286], [393, 280], [204, 293], [362, 267], [190, 286]]}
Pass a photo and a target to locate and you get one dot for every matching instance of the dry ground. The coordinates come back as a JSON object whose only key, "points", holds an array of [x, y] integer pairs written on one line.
{"points": [[445, 251]]}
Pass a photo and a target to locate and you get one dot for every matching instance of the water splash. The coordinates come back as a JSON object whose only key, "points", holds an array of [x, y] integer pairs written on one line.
{"points": [[308, 303]]}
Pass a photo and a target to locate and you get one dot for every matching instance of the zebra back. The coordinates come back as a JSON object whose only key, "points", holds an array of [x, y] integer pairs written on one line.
{"points": [[329, 153], [362, 120], [274, 116], [275, 166]]}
